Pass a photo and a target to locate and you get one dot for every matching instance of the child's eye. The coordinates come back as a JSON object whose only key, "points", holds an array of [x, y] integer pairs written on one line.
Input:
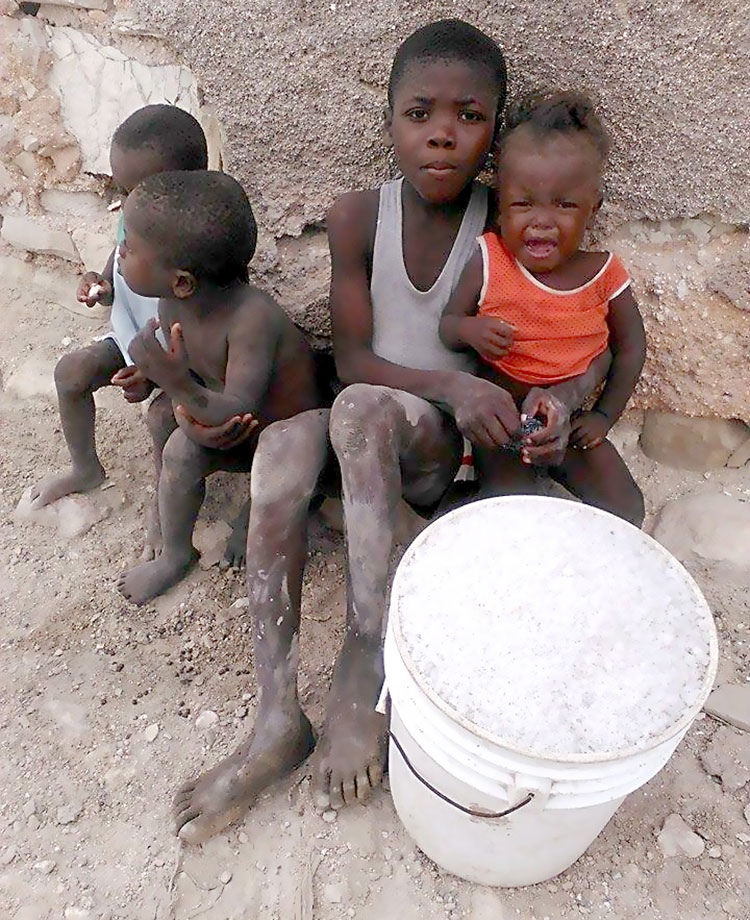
{"points": [[520, 204], [471, 116], [567, 204], [417, 114]]}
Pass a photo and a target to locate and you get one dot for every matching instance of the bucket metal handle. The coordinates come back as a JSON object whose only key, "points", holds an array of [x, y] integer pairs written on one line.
{"points": [[468, 811]]}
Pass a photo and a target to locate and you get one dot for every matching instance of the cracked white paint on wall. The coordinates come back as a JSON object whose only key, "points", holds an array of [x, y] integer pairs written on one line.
{"points": [[99, 87]]}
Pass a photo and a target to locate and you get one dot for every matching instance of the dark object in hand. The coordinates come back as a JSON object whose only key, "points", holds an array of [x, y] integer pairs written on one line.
{"points": [[528, 427]]}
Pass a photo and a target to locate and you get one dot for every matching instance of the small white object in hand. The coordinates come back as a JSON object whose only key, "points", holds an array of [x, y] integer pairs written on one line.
{"points": [[95, 290]]}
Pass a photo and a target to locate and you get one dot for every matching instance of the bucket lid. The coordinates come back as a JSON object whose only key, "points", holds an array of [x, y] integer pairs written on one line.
{"points": [[553, 628]]}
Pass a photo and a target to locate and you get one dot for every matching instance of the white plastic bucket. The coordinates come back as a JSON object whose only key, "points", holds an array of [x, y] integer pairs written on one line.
{"points": [[489, 810]]}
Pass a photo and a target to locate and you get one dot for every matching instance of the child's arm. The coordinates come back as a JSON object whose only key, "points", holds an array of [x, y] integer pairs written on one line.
{"points": [[627, 341], [104, 281], [461, 328], [485, 413], [250, 359]]}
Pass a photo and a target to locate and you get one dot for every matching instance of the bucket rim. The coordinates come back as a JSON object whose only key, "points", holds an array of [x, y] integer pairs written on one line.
{"points": [[394, 625]]}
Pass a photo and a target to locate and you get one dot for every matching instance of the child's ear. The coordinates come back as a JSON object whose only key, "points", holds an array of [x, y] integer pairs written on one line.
{"points": [[387, 125], [184, 284]]}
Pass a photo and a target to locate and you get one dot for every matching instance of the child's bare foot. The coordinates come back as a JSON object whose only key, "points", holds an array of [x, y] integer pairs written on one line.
{"points": [[350, 756], [150, 579], [76, 480], [206, 805], [153, 543]]}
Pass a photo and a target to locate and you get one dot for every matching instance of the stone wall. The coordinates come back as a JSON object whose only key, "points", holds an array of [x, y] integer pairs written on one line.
{"points": [[298, 87]]}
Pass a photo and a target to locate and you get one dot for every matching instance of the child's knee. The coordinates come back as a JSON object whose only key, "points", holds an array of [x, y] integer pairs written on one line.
{"points": [[182, 457], [634, 509], [360, 407], [74, 374], [160, 418], [289, 459]]}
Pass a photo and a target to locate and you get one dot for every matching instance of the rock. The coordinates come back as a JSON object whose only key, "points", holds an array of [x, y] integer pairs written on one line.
{"points": [[740, 456], [94, 248], [82, 4], [207, 719], [67, 161], [225, 878], [151, 732], [747, 813], [45, 867], [714, 852], [487, 904], [210, 540], [329, 816], [242, 603], [691, 443], [73, 204], [27, 163], [29, 808], [34, 236], [731, 703], [8, 855], [332, 894], [676, 838], [72, 515], [33, 823], [77, 913], [243, 838], [712, 529], [68, 814], [728, 757]]}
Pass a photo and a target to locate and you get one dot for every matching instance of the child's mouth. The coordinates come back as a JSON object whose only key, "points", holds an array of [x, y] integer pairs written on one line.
{"points": [[540, 249], [439, 168]]}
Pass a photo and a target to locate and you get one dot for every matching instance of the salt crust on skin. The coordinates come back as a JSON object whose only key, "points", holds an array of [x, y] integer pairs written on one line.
{"points": [[557, 630]]}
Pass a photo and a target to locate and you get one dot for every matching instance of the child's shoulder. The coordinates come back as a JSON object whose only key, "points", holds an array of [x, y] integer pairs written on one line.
{"points": [[353, 208]]}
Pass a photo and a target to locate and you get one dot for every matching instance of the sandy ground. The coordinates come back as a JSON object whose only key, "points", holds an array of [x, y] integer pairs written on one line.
{"points": [[85, 828]]}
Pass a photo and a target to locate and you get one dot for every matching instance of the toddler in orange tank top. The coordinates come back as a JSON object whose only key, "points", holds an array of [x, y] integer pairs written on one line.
{"points": [[549, 319]]}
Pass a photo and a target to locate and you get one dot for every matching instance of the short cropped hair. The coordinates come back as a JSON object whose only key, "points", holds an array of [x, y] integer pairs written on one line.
{"points": [[451, 40], [200, 221], [561, 112], [169, 130]]}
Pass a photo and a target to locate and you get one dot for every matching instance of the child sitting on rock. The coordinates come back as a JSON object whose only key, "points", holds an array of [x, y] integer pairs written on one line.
{"points": [[151, 140], [231, 349], [544, 314]]}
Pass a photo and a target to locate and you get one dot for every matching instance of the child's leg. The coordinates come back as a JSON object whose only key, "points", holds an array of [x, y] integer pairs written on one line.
{"points": [[285, 476], [502, 473], [77, 376], [182, 487], [599, 477], [388, 443], [161, 423]]}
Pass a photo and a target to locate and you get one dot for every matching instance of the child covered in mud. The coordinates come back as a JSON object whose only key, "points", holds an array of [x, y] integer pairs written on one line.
{"points": [[232, 351], [151, 140], [397, 253], [544, 314]]}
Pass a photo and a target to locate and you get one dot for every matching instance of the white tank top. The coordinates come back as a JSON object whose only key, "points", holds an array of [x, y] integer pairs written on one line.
{"points": [[405, 319]]}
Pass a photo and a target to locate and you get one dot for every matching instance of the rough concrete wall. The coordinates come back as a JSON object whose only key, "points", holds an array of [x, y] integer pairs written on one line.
{"points": [[299, 88]]}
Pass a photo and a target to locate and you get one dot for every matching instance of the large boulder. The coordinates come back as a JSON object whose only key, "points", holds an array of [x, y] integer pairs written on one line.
{"points": [[691, 443], [712, 529]]}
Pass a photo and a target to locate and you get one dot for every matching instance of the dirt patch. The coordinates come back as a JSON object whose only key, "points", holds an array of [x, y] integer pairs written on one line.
{"points": [[84, 678]]}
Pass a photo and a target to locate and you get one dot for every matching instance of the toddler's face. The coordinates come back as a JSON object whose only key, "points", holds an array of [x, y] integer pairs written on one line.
{"points": [[131, 167], [547, 191], [139, 263], [442, 125]]}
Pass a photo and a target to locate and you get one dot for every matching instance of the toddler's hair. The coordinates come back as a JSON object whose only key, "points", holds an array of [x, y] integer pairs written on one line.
{"points": [[169, 130], [200, 222], [563, 112], [451, 40]]}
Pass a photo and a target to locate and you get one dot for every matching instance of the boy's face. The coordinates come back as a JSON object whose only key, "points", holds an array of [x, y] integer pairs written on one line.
{"points": [[131, 167], [442, 124], [547, 190], [139, 263]]}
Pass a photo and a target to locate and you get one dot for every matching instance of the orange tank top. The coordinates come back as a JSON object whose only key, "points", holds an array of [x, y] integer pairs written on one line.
{"points": [[558, 333]]}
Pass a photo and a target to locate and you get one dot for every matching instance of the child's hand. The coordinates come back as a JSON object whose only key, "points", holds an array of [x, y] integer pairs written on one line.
{"points": [[135, 387], [589, 429], [484, 413], [230, 434], [547, 446], [168, 369], [488, 336], [94, 288]]}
